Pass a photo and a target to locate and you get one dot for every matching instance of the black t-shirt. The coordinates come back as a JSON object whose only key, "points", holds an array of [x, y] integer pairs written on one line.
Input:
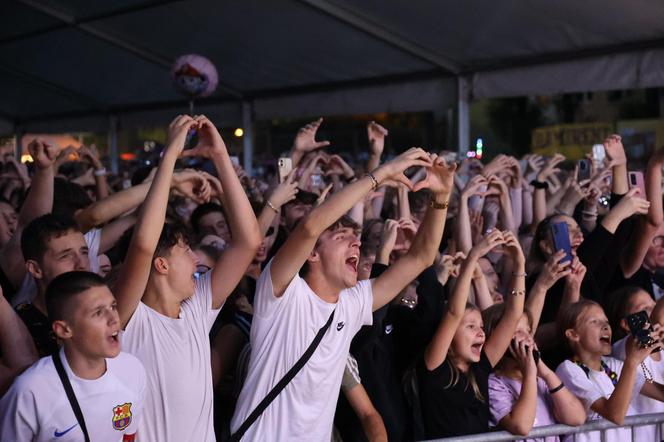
{"points": [[40, 329], [454, 411]]}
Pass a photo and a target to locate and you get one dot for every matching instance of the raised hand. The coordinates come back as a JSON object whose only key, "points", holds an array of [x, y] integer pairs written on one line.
{"points": [[576, 274], [488, 243], [216, 189], [473, 187], [439, 178], [285, 191], [615, 150], [392, 172], [305, 140], [192, 184], [177, 132], [500, 163], [513, 247], [632, 203], [376, 134], [209, 143], [553, 270], [90, 155], [388, 240], [337, 166], [44, 155], [522, 351], [551, 167]]}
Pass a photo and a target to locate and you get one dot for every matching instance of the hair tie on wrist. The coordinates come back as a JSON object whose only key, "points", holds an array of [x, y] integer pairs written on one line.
{"points": [[557, 389], [539, 184]]}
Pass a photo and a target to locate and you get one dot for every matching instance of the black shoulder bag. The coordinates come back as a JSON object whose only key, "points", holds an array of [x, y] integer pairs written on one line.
{"points": [[272, 395], [70, 394]]}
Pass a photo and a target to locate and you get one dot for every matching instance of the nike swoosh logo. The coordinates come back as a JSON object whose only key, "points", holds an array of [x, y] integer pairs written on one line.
{"points": [[60, 434]]}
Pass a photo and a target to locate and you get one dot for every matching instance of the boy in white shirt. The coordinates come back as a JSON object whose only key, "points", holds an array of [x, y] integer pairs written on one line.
{"points": [[289, 310], [167, 313], [109, 385]]}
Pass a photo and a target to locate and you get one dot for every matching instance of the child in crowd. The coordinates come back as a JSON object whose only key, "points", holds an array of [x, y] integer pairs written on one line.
{"points": [[606, 386], [454, 374], [523, 391], [627, 301], [108, 385]]}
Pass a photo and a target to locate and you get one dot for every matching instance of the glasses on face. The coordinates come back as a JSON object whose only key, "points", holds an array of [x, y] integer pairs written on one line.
{"points": [[658, 241]]}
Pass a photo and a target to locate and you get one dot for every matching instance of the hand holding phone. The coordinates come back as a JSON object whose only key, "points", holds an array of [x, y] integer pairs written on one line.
{"points": [[635, 179], [583, 171], [560, 239], [285, 166], [640, 327]]}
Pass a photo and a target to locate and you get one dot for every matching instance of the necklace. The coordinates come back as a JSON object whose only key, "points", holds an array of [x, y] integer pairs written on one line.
{"points": [[647, 373], [610, 373]]}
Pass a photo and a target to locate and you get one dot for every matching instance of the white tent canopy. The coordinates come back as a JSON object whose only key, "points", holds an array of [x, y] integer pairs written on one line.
{"points": [[81, 65]]}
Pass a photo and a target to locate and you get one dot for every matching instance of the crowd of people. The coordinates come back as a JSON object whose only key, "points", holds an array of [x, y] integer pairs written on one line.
{"points": [[409, 296]]}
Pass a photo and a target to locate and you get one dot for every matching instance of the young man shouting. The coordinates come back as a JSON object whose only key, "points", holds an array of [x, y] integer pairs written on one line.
{"points": [[165, 311], [290, 309], [109, 385]]}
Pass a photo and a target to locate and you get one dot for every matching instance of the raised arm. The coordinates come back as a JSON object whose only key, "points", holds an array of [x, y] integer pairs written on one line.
{"points": [[376, 134], [500, 339], [293, 254], [436, 352], [246, 236], [648, 226], [136, 268], [553, 270], [463, 230], [305, 141], [422, 253], [618, 160], [283, 193], [615, 407], [38, 202], [16, 344]]}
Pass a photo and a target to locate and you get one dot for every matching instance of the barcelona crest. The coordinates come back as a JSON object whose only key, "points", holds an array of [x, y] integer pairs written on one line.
{"points": [[122, 416]]}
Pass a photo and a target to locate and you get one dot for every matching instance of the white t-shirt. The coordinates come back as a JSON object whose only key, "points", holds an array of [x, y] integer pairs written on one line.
{"points": [[36, 407], [28, 290], [643, 404], [593, 386], [176, 355], [281, 330]]}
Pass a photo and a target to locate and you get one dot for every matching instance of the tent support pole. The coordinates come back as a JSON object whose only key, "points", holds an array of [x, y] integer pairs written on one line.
{"points": [[463, 115], [18, 142], [113, 143], [248, 138]]}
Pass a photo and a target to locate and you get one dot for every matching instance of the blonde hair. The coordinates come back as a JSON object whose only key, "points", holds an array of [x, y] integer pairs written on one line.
{"points": [[456, 373]]}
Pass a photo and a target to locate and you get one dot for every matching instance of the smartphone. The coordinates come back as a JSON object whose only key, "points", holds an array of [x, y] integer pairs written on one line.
{"points": [[640, 327], [316, 180], [635, 179], [584, 171], [285, 165], [536, 354], [560, 237], [599, 154], [235, 160], [476, 202]]}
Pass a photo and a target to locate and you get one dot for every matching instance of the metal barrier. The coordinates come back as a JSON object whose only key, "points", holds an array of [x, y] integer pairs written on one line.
{"points": [[601, 425]]}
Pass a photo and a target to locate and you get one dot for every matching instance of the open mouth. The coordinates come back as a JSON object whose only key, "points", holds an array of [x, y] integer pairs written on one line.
{"points": [[477, 347], [352, 263], [114, 338], [605, 340]]}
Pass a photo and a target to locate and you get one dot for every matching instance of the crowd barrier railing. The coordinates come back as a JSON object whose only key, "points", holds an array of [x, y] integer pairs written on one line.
{"points": [[601, 425]]}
